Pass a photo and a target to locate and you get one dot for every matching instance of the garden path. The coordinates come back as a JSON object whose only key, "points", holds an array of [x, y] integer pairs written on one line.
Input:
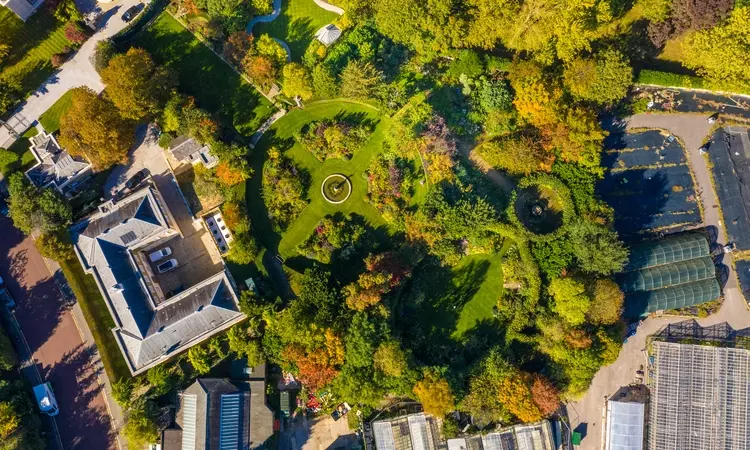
{"points": [[267, 18], [77, 71], [329, 7]]}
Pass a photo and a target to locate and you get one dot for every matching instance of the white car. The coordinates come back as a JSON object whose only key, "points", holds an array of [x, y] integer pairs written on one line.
{"points": [[159, 254], [167, 266]]}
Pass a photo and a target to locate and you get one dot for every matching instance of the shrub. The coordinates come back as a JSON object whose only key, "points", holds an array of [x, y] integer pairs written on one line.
{"points": [[332, 234], [8, 160], [284, 187], [333, 139], [390, 184], [74, 33], [53, 246], [669, 79], [8, 358]]}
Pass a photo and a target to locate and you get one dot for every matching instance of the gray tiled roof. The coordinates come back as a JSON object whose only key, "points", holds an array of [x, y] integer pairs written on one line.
{"points": [[183, 147], [255, 418], [147, 332]]}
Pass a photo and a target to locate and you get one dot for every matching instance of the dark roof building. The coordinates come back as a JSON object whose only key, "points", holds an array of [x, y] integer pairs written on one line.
{"points": [[188, 150], [218, 414], [114, 246]]}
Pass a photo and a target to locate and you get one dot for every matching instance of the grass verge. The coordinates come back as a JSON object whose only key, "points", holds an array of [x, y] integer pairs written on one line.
{"points": [[50, 120], [98, 318]]}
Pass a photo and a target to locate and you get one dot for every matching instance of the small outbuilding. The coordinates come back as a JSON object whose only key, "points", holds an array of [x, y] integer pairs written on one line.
{"points": [[187, 150], [328, 34]]}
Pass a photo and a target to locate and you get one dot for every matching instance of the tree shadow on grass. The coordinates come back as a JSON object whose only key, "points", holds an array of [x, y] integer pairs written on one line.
{"points": [[429, 311], [23, 37], [299, 34]]}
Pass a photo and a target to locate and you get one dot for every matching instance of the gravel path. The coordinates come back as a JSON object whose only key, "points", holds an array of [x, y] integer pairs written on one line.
{"points": [[267, 18]]}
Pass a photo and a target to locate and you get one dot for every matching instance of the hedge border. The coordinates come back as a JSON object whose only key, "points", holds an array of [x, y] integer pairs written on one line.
{"points": [[562, 191]]}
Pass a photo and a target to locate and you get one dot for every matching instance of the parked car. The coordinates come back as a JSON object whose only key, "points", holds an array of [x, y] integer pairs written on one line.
{"points": [[159, 254], [131, 12], [167, 266], [5, 297], [45, 399], [136, 179], [712, 118]]}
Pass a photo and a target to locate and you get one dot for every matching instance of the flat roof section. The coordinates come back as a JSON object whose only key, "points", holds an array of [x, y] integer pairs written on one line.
{"points": [[625, 423]]}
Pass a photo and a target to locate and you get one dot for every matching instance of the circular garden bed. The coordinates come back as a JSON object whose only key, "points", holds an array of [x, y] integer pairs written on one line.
{"points": [[336, 188], [541, 205]]}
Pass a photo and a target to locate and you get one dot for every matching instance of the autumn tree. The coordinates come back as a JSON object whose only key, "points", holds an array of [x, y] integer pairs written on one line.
{"points": [[538, 95], [514, 393], [297, 81], [384, 271], [9, 420], [435, 394], [319, 366], [390, 359], [571, 299], [229, 176], [602, 79], [545, 395], [93, 127], [261, 70], [606, 302], [520, 154], [53, 246], [359, 80], [136, 85], [238, 46], [714, 53], [74, 33]]}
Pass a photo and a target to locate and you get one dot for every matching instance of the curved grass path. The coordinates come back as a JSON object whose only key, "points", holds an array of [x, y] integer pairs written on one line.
{"points": [[281, 135]]}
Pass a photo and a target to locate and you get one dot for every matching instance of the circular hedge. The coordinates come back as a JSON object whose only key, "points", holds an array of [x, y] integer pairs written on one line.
{"points": [[541, 207], [336, 188]]}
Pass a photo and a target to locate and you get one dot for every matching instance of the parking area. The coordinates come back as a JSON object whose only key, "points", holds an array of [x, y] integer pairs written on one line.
{"points": [[648, 183], [195, 251]]}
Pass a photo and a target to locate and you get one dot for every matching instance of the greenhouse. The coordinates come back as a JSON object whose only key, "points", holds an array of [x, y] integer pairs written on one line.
{"points": [[667, 275], [689, 294], [666, 251]]}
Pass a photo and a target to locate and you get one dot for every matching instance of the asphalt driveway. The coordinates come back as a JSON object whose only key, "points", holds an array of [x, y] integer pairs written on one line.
{"points": [[55, 343]]}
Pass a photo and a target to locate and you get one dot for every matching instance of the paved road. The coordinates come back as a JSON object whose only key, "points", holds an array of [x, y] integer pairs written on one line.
{"points": [[55, 343], [78, 71], [587, 412]]}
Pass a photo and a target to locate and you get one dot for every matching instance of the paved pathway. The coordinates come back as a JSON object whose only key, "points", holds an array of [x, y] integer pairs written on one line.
{"points": [[55, 343], [588, 411], [78, 71], [329, 7], [265, 19]]}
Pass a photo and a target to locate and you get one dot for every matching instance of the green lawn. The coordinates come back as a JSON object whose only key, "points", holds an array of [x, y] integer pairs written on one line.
{"points": [[98, 318], [21, 148], [32, 44], [283, 131], [215, 86], [297, 24], [50, 120]]}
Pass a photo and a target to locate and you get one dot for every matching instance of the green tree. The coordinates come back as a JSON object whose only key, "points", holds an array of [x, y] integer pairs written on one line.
{"points": [[571, 299], [122, 391], [714, 52], [597, 248], [160, 379], [435, 394], [603, 79], [324, 82], [33, 208], [53, 246], [136, 85], [359, 80], [428, 27], [8, 357], [200, 359], [140, 429], [9, 420], [105, 51], [390, 359], [93, 127], [297, 81], [606, 302]]}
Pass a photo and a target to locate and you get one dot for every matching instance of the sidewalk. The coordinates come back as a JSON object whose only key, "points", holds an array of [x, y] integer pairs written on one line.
{"points": [[113, 408]]}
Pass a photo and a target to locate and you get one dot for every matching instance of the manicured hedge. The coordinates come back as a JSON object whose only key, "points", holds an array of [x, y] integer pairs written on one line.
{"points": [[669, 79], [560, 189]]}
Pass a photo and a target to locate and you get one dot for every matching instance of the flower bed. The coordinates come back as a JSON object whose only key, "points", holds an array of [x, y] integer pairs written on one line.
{"points": [[333, 139], [331, 234]]}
